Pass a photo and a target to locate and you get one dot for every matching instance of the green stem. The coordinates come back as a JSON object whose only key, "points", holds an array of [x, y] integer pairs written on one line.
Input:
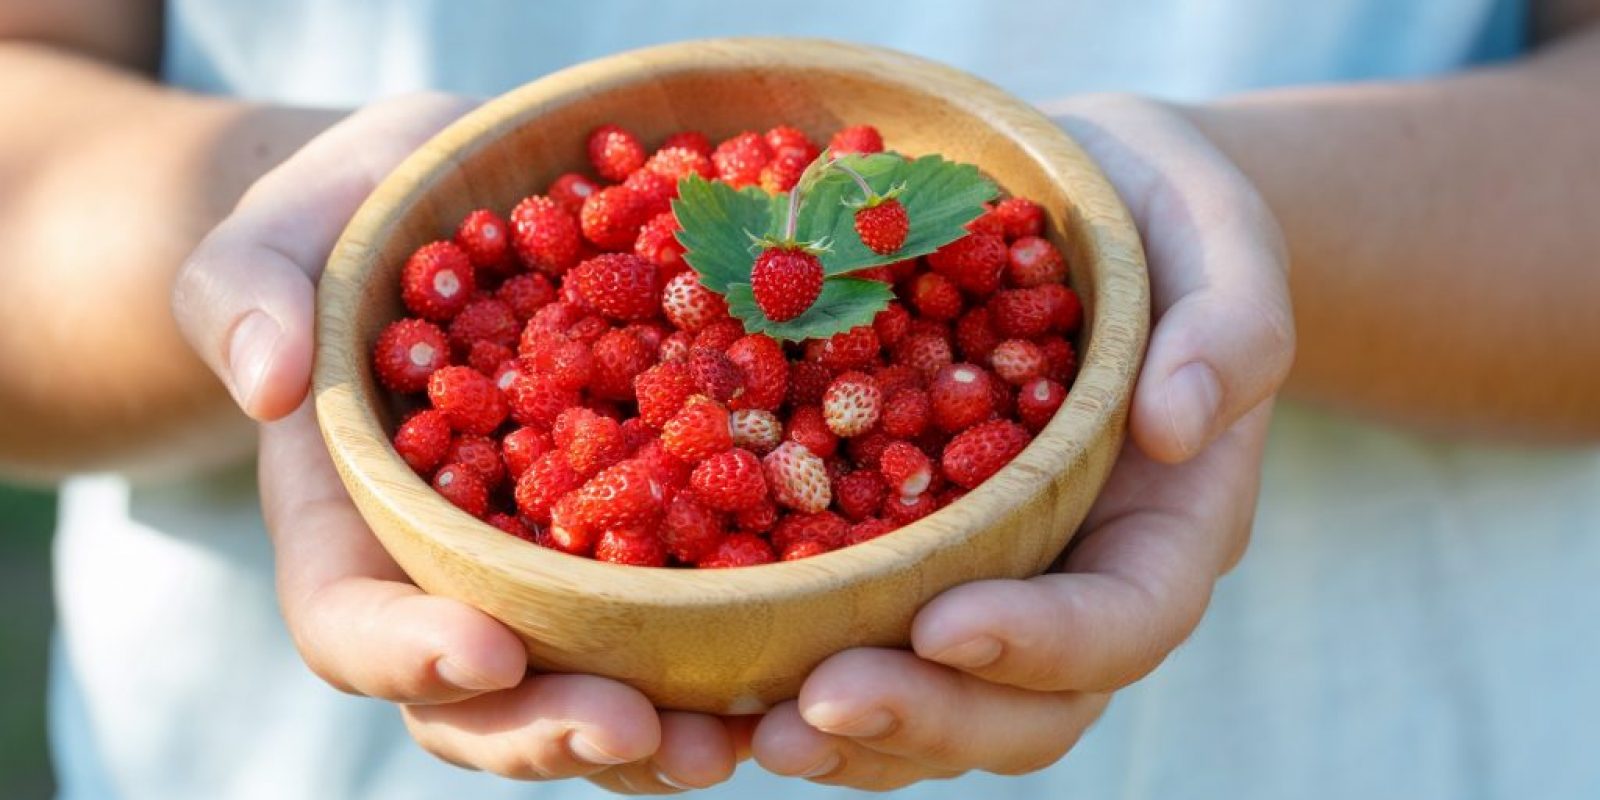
{"points": [[866, 189], [792, 224]]}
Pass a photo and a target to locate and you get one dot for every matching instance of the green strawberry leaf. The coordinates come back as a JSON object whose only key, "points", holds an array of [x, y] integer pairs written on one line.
{"points": [[717, 222], [844, 304], [940, 198]]}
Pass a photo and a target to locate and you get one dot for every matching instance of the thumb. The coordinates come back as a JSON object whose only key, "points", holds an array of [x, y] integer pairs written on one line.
{"points": [[245, 298]]}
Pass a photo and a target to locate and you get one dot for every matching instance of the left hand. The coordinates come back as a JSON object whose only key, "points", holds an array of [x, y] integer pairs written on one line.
{"points": [[1007, 674]]}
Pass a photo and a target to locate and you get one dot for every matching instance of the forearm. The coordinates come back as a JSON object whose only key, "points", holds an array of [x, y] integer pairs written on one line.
{"points": [[111, 180], [1443, 239]]}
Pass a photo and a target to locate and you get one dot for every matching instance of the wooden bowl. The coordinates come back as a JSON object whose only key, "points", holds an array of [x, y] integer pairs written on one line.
{"points": [[730, 641]]}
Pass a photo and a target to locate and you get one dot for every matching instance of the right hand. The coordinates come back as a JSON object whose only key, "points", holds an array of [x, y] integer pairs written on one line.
{"points": [[245, 301]]}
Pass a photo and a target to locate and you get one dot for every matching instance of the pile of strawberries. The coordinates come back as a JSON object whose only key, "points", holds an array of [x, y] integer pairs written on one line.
{"points": [[586, 393]]}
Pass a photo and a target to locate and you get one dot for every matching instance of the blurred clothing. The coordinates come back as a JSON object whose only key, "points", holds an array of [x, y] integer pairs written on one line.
{"points": [[1415, 618]]}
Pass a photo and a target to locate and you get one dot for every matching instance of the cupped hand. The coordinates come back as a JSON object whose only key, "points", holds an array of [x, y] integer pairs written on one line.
{"points": [[245, 300], [1006, 675]]}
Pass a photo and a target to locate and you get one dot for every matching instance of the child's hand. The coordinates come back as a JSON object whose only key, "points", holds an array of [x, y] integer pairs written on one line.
{"points": [[245, 301], [1006, 675]]}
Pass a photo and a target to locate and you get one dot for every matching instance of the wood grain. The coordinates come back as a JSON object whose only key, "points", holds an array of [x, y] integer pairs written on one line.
{"points": [[731, 641]]}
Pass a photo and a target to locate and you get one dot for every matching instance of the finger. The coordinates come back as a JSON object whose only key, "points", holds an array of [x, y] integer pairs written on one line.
{"points": [[1224, 335], [549, 727], [697, 751], [356, 619], [894, 703], [244, 299], [785, 744], [1134, 587]]}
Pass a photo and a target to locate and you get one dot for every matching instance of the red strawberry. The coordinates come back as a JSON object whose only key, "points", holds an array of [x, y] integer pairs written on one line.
{"points": [[859, 494], [661, 391], [611, 218], [676, 347], [615, 152], [720, 335], [905, 469], [689, 140], [755, 430], [766, 372], [521, 447], [1060, 359], [960, 397], [824, 527], [481, 455], [463, 487], [486, 239], [437, 281], [808, 425], [856, 139], [729, 481], [784, 140], [988, 222], [570, 190], [1020, 217], [1018, 361], [1032, 261], [797, 478], [923, 351], [526, 294], [805, 548], [589, 441], [423, 440], [407, 352], [698, 431], [716, 376], [536, 400], [636, 433], [738, 550], [566, 533], [619, 357], [974, 262], [638, 547], [883, 227], [906, 413], [649, 333], [556, 317], [657, 190], [891, 323], [512, 525], [739, 160], [758, 518], [981, 451], [543, 483], [468, 399], [903, 510], [936, 297], [856, 348], [867, 530], [690, 530], [807, 381], [1037, 402], [565, 362], [785, 282], [852, 404], [545, 235], [677, 163], [590, 328], [976, 336], [670, 470], [658, 244], [487, 320], [1023, 313], [624, 495], [783, 172], [1066, 309], [621, 286]]}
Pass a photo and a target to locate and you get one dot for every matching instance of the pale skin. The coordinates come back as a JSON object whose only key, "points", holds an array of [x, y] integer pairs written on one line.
{"points": [[1443, 276]]}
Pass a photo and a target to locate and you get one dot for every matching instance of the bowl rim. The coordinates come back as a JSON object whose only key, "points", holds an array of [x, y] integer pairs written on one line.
{"points": [[1117, 335]]}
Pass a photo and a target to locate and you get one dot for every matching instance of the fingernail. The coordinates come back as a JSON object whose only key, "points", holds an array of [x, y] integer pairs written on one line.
{"points": [[462, 678], [249, 351], [1194, 396], [971, 654], [846, 722], [661, 775], [588, 751], [822, 767]]}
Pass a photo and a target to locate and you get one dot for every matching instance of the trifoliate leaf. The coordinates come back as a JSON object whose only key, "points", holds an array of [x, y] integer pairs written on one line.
{"points": [[717, 222], [845, 303]]}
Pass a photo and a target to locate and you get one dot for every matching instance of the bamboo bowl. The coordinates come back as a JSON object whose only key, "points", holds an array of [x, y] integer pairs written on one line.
{"points": [[730, 641]]}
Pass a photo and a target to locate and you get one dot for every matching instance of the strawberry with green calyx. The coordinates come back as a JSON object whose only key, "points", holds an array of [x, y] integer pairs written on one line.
{"points": [[881, 221], [786, 277]]}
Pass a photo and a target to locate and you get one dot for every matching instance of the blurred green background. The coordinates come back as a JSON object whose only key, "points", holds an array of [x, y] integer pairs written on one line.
{"points": [[26, 520]]}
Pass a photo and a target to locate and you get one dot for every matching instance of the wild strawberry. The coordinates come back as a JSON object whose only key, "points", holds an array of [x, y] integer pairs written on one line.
{"points": [[481, 455], [891, 323], [960, 397], [407, 352], [715, 375], [545, 481], [784, 140], [988, 222], [566, 363], [509, 371], [867, 530], [690, 530], [556, 317], [1022, 313], [755, 430], [672, 472], [693, 141], [621, 286], [739, 160], [611, 218], [785, 282], [783, 172], [738, 550], [1061, 361], [720, 335], [975, 454], [638, 547], [825, 527], [658, 244], [807, 381], [463, 487], [1033, 261], [936, 297], [866, 450], [486, 239], [698, 430], [883, 227], [906, 413], [808, 425], [521, 447], [856, 139], [468, 399], [545, 235], [623, 495], [437, 281], [525, 294], [852, 404], [974, 262], [537, 401], [923, 351], [765, 369], [657, 190], [615, 152], [589, 441], [905, 509], [619, 357], [649, 334], [976, 336], [1018, 361], [903, 270], [892, 378], [1066, 309], [661, 391], [486, 356], [1020, 217], [1038, 401], [758, 518], [677, 163], [856, 348], [635, 433], [512, 525], [859, 493], [729, 481], [566, 533], [905, 468], [486, 320], [804, 549], [570, 190], [797, 478], [676, 347], [423, 440], [590, 328]]}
